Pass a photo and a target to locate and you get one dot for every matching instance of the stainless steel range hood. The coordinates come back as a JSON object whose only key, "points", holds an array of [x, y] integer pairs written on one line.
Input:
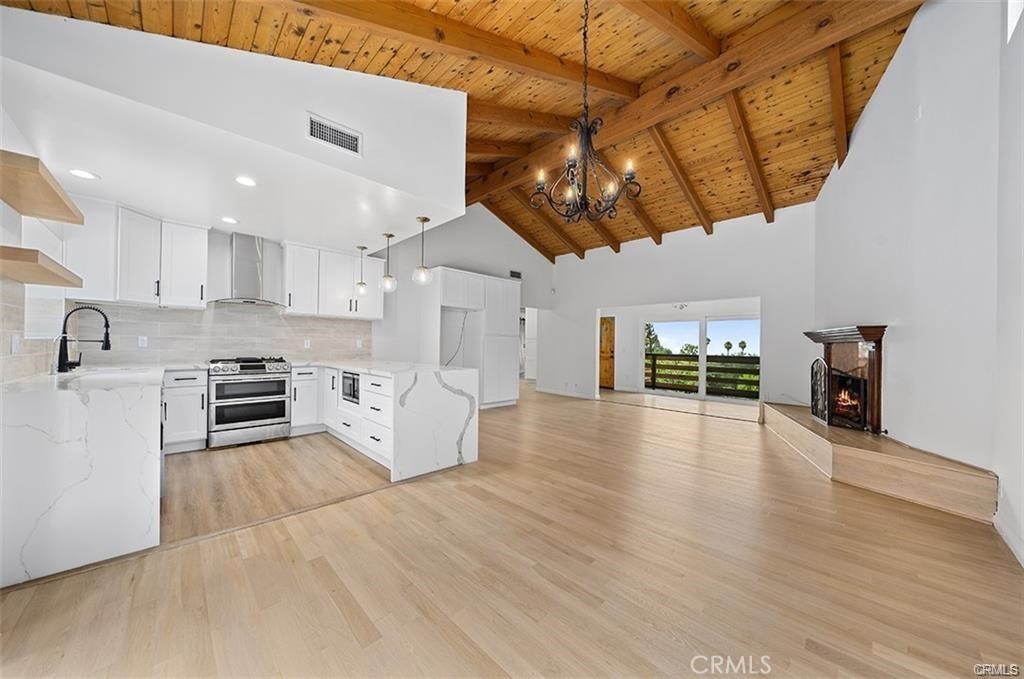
{"points": [[257, 270]]}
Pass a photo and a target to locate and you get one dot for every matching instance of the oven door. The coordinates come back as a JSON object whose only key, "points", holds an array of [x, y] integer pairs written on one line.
{"points": [[251, 413], [238, 388]]}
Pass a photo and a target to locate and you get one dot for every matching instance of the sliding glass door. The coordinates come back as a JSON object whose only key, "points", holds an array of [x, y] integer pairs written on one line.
{"points": [[716, 357]]}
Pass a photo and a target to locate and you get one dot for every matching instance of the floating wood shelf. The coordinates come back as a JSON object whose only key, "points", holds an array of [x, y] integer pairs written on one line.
{"points": [[28, 187], [27, 265], [886, 466]]}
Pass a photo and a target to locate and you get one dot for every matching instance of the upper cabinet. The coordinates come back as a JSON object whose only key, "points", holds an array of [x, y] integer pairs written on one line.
{"points": [[461, 289], [91, 251], [138, 257], [501, 307], [183, 253], [301, 279], [338, 275]]}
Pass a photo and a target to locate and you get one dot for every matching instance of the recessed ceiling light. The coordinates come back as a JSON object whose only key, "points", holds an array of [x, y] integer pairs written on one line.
{"points": [[84, 174], [245, 181], [229, 220]]}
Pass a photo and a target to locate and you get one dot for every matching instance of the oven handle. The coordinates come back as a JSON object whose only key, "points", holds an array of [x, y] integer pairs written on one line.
{"points": [[254, 378], [246, 401]]}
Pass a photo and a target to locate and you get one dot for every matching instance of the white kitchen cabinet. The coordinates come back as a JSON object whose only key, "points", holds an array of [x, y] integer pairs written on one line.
{"points": [[330, 386], [305, 402], [501, 306], [91, 251], [461, 289], [338, 274], [184, 414], [302, 278], [183, 253], [370, 306], [138, 257], [500, 373]]}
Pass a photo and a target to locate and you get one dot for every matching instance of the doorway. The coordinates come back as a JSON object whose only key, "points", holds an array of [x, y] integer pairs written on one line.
{"points": [[607, 350]]}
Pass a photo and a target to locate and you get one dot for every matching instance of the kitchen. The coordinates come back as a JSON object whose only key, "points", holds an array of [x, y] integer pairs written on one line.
{"points": [[186, 380]]}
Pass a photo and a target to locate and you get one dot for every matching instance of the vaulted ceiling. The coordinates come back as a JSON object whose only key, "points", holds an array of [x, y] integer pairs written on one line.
{"points": [[726, 107]]}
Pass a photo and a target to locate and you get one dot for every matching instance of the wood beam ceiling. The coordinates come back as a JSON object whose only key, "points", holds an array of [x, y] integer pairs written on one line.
{"points": [[404, 21], [789, 41], [838, 99], [492, 148], [549, 223], [746, 142], [635, 208], [482, 112], [511, 223], [673, 21], [682, 179], [479, 169]]}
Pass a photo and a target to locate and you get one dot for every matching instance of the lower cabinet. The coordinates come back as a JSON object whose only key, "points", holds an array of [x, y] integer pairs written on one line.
{"points": [[305, 401], [330, 386], [500, 374], [184, 418]]}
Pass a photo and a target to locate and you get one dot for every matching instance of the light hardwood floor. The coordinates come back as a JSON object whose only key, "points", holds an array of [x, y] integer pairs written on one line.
{"points": [[211, 490], [591, 539], [735, 410]]}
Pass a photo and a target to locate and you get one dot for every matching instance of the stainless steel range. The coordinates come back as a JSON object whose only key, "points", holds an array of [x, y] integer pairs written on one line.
{"points": [[250, 400]]}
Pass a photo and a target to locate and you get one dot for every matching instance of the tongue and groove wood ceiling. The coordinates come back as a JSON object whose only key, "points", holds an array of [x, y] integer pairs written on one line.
{"points": [[726, 107]]}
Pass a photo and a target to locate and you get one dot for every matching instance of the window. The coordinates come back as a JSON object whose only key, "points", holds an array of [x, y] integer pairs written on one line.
{"points": [[734, 358], [1014, 8], [671, 356]]}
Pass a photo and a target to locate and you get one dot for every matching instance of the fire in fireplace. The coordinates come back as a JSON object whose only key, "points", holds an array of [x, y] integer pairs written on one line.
{"points": [[846, 384], [837, 397]]}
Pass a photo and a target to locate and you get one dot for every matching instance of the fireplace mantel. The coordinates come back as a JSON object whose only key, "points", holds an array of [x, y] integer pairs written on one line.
{"points": [[852, 333]]}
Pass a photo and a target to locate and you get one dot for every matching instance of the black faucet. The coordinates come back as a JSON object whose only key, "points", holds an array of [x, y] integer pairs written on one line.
{"points": [[63, 364]]}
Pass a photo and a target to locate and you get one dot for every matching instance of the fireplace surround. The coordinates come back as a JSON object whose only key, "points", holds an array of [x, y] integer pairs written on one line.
{"points": [[846, 384]]}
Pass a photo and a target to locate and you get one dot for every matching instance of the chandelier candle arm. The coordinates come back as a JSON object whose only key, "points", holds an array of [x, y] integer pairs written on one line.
{"points": [[569, 195]]}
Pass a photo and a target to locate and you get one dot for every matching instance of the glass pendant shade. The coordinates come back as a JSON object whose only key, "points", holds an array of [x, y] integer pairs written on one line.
{"points": [[422, 275], [388, 283], [361, 287]]}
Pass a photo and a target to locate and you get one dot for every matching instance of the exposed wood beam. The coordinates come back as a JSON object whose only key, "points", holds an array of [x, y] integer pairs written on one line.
{"points": [[746, 142], [482, 112], [835, 81], [673, 21], [790, 41], [405, 21], [520, 231], [501, 149], [682, 179], [548, 222], [634, 208], [479, 169]]}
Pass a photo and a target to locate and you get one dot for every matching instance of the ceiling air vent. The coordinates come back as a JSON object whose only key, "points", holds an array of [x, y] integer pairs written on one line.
{"points": [[336, 135]]}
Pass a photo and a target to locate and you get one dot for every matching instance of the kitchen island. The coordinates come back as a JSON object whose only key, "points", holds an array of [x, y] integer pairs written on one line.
{"points": [[411, 418], [80, 469]]}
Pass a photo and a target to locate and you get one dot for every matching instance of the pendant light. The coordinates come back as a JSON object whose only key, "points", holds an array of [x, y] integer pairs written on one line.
{"points": [[361, 286], [421, 275], [388, 283]]}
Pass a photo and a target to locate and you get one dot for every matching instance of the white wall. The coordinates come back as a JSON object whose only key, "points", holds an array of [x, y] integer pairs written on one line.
{"points": [[906, 230], [476, 242], [744, 258], [629, 330], [1008, 440]]}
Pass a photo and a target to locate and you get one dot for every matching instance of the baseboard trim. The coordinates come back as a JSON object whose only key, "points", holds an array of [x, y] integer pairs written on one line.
{"points": [[1016, 546], [570, 394]]}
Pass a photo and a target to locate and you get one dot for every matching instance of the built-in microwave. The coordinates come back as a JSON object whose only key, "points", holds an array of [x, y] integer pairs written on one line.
{"points": [[350, 387]]}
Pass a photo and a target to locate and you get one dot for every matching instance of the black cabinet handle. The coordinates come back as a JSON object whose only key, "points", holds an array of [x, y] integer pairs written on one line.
{"points": [[301, 373], [375, 439], [357, 306], [165, 411], [295, 393], [202, 401], [289, 299], [157, 288], [185, 379], [374, 384], [346, 424], [333, 377], [374, 408], [350, 305], [202, 292]]}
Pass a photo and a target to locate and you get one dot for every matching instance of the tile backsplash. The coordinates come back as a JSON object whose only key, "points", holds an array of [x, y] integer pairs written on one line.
{"points": [[33, 355], [219, 331]]}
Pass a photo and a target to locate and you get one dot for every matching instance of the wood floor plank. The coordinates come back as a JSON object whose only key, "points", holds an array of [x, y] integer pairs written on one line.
{"points": [[590, 539]]}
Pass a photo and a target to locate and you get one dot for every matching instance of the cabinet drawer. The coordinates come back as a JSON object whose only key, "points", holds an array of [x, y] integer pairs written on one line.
{"points": [[348, 425], [377, 385], [377, 438], [377, 408], [303, 374], [185, 378]]}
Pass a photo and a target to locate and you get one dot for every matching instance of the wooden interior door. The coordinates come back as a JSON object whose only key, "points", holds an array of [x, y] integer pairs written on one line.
{"points": [[607, 377]]}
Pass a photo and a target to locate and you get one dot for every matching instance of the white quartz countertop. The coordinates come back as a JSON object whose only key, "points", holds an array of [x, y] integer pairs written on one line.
{"points": [[377, 367], [88, 379]]}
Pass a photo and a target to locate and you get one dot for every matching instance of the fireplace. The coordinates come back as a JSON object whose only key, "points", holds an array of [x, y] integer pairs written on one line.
{"points": [[846, 385]]}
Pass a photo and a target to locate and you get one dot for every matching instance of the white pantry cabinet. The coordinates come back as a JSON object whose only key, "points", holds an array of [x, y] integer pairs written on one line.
{"points": [[461, 289], [183, 256], [500, 374], [501, 306], [138, 257], [301, 278], [338, 274]]}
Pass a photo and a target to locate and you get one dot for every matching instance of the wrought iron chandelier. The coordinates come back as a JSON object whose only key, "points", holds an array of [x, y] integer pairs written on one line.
{"points": [[571, 195]]}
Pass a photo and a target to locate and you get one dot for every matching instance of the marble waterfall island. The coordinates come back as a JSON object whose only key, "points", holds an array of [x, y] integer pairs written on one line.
{"points": [[79, 469]]}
